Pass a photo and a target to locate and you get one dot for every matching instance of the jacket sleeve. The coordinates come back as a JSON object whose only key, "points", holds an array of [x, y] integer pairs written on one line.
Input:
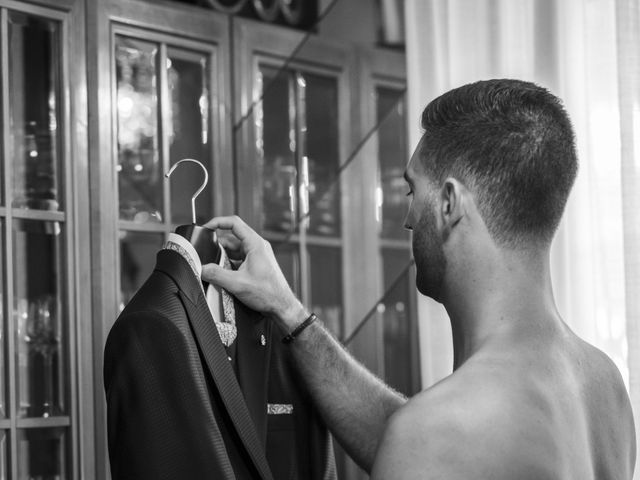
{"points": [[159, 419]]}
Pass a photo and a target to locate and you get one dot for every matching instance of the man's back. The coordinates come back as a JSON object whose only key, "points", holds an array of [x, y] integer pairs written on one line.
{"points": [[545, 407]]}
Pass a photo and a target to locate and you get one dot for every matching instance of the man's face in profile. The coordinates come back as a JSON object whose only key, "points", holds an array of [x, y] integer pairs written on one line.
{"points": [[422, 221]]}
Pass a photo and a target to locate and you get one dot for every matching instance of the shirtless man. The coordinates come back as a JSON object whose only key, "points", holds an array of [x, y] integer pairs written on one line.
{"points": [[527, 399]]}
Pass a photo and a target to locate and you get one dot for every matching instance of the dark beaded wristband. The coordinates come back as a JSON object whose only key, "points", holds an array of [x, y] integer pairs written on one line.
{"points": [[296, 331]]}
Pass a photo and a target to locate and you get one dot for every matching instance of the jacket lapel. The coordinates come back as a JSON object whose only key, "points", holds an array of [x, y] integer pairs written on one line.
{"points": [[215, 355], [254, 347]]}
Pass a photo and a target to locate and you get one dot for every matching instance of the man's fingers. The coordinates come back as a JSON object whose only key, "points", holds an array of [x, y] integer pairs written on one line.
{"points": [[231, 244], [220, 277], [234, 223]]}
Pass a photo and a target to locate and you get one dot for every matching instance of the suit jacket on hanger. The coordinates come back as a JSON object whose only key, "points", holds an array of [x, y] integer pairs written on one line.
{"points": [[177, 409]]}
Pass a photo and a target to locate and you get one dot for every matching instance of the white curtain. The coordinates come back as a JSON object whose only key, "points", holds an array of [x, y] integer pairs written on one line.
{"points": [[586, 52]]}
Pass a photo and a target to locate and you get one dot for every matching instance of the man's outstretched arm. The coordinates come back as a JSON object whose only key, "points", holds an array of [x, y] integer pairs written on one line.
{"points": [[354, 403]]}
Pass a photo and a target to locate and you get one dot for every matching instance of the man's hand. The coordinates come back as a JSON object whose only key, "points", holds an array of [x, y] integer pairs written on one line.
{"points": [[258, 282]]}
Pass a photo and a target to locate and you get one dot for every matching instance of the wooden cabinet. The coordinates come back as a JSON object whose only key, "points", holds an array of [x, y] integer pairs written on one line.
{"points": [[42, 222], [303, 136]]}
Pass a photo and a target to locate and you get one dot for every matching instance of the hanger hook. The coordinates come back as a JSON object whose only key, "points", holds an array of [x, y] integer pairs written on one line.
{"points": [[204, 184]]}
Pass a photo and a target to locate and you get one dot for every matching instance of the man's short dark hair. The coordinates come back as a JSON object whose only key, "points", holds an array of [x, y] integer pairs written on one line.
{"points": [[511, 143]]}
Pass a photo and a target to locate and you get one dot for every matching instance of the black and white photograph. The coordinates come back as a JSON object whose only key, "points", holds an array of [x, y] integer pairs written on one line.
{"points": [[319, 239]]}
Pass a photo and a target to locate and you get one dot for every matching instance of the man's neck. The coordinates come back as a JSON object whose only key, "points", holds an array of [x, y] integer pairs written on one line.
{"points": [[498, 302]]}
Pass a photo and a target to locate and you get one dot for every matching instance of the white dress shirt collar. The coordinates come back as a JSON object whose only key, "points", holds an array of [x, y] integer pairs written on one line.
{"points": [[191, 252]]}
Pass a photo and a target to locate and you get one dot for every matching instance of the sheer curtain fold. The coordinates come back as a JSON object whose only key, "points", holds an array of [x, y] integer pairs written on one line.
{"points": [[628, 38], [588, 54]]}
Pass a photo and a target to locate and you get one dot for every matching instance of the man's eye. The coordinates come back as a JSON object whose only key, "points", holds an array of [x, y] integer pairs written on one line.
{"points": [[410, 192]]}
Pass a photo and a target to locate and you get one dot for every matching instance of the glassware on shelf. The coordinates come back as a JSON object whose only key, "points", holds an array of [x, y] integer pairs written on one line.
{"points": [[43, 337], [38, 306], [21, 316], [39, 335]]}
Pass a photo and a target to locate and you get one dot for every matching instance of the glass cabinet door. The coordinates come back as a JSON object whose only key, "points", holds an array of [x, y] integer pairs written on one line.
{"points": [[297, 139], [163, 114], [398, 307], [140, 175], [37, 250]]}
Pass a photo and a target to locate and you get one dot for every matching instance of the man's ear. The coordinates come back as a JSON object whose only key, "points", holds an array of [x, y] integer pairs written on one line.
{"points": [[452, 204]]}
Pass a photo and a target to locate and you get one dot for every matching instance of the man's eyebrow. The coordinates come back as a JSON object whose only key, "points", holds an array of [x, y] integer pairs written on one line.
{"points": [[406, 177]]}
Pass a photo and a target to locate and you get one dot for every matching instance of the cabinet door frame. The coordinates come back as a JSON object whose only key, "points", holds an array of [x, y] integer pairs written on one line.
{"points": [[182, 25], [256, 43], [75, 215]]}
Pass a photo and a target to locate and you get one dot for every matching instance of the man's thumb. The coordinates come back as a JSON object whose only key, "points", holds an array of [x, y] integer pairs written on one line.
{"points": [[217, 275]]}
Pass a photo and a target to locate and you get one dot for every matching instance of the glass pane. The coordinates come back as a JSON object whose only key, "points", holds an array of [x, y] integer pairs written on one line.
{"points": [[397, 322], [4, 434], [188, 132], [40, 315], [3, 390], [322, 152], [137, 260], [276, 147], [288, 257], [34, 105], [140, 173], [42, 454], [326, 286], [393, 158]]}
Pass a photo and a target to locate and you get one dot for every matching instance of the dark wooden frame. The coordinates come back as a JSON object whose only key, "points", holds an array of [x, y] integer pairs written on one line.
{"points": [[70, 14]]}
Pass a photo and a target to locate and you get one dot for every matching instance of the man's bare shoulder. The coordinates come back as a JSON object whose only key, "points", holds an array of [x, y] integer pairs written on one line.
{"points": [[463, 427]]}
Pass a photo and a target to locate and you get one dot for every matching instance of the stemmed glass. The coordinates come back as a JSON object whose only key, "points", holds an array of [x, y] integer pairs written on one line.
{"points": [[43, 337]]}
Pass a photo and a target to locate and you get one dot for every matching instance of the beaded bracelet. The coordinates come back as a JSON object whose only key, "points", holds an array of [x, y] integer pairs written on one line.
{"points": [[296, 331]]}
